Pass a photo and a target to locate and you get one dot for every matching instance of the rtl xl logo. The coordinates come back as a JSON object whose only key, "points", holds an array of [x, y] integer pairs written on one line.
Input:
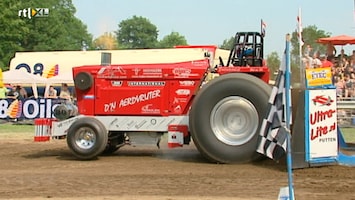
{"points": [[33, 12]]}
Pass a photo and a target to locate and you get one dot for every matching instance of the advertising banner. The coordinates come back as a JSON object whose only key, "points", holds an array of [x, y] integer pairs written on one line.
{"points": [[28, 108], [319, 77], [321, 123]]}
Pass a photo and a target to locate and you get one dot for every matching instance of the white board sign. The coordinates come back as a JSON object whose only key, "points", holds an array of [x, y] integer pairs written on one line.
{"points": [[321, 123]]}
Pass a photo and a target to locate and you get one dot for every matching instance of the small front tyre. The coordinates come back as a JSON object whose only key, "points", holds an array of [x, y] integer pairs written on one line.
{"points": [[87, 138]]}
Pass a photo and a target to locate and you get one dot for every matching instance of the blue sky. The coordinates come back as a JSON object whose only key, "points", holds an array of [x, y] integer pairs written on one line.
{"points": [[212, 21]]}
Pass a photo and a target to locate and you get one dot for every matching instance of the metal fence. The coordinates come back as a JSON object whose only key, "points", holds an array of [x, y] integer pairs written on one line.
{"points": [[346, 112]]}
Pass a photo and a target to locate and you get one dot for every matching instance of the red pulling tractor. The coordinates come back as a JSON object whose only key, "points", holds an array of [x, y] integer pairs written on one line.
{"points": [[139, 103]]}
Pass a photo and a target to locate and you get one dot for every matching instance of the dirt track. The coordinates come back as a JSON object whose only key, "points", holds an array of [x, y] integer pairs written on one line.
{"points": [[47, 170]]}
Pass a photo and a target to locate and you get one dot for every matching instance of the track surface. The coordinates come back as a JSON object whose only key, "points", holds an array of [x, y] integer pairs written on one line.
{"points": [[30, 170]]}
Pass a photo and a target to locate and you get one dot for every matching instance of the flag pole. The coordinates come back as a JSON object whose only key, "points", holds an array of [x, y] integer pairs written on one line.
{"points": [[300, 43], [288, 116]]}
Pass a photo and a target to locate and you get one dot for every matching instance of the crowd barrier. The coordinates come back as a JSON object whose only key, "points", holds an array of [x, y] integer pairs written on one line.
{"points": [[346, 112]]}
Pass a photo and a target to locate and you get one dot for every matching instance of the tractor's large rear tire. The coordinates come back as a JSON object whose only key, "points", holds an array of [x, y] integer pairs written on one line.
{"points": [[87, 137], [226, 116]]}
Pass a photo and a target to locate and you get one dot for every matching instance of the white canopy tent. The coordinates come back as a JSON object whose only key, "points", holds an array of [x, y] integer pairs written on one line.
{"points": [[23, 77]]}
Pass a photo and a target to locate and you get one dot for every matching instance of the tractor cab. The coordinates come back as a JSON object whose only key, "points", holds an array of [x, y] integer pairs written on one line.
{"points": [[247, 50], [246, 56]]}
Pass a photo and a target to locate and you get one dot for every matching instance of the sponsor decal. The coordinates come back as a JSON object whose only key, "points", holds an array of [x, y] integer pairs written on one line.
{"points": [[187, 83], [101, 71], [149, 109], [15, 109], [39, 68], [139, 98], [147, 73], [118, 69], [201, 63], [179, 100], [136, 71], [322, 123], [318, 77], [146, 83], [181, 71], [110, 107], [183, 92], [111, 72], [177, 108], [116, 83], [152, 71], [322, 100]]}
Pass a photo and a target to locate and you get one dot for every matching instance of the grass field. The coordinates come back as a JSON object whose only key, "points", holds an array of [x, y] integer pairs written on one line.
{"points": [[349, 134], [14, 128]]}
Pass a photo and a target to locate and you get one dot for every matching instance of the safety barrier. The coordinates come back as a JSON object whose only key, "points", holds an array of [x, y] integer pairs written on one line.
{"points": [[346, 112], [42, 129]]}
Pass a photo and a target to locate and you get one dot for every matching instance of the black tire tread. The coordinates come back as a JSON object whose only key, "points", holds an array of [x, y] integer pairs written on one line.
{"points": [[246, 85], [101, 138]]}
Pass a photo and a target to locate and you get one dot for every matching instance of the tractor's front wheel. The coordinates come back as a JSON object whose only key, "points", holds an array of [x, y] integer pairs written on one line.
{"points": [[87, 137], [226, 116]]}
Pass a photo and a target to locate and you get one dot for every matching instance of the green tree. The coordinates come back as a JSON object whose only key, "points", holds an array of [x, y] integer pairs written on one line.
{"points": [[227, 44], [61, 30], [310, 35], [12, 30], [171, 40], [273, 62], [107, 41], [137, 32]]}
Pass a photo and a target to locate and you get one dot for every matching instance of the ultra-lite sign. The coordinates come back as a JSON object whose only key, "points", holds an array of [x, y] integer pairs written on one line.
{"points": [[321, 124]]}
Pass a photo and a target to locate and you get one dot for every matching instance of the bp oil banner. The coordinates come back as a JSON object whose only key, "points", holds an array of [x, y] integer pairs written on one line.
{"points": [[28, 108]]}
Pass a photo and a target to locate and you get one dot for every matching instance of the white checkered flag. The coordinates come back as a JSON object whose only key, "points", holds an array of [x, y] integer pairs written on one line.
{"points": [[273, 131]]}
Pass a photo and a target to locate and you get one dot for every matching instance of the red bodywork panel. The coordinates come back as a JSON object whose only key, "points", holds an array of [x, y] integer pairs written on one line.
{"points": [[161, 89], [141, 89], [262, 72]]}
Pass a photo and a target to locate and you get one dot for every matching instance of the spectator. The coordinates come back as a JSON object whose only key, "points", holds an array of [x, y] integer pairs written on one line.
{"points": [[22, 91], [352, 78], [65, 92], [331, 52], [325, 62], [18, 90], [353, 55], [15, 92], [342, 56], [333, 72], [307, 52], [348, 86], [51, 93], [340, 86], [307, 59], [316, 63], [3, 91]]}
